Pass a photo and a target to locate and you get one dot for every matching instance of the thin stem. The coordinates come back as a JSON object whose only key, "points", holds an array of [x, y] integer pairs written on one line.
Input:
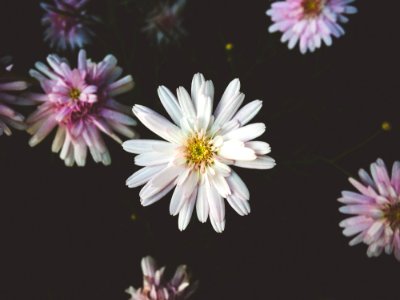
{"points": [[333, 164], [356, 147]]}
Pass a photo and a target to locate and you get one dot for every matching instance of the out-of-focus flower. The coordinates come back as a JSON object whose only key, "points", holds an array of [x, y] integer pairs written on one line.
{"points": [[197, 152], [377, 210], [8, 87], [156, 288], [164, 23], [67, 24], [386, 126], [80, 102], [309, 22]]}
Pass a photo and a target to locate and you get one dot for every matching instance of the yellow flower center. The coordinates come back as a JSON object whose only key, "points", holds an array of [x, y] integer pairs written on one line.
{"points": [[74, 93], [199, 151], [392, 214], [312, 8]]}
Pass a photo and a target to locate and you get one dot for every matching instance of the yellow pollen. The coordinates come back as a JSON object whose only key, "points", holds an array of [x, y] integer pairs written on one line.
{"points": [[386, 126], [392, 214], [228, 46], [199, 151], [74, 93], [312, 7]]}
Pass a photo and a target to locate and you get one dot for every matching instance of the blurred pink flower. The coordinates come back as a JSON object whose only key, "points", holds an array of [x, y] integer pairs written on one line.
{"points": [[67, 24], [8, 116], [198, 150], [80, 102], [309, 22], [377, 210], [164, 23], [156, 288]]}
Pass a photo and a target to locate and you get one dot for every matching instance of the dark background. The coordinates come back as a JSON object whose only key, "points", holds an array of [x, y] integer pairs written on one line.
{"points": [[67, 233]]}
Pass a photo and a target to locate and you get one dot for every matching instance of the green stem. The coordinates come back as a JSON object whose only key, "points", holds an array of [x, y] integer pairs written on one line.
{"points": [[356, 147]]}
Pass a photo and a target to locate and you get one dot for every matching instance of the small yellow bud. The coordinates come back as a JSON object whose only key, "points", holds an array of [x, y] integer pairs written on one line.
{"points": [[386, 126], [228, 46], [133, 217]]}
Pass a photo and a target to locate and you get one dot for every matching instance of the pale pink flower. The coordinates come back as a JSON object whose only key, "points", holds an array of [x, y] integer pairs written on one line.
{"points": [[377, 210], [309, 22], [164, 23], [9, 95], [68, 25], [198, 151], [80, 102], [156, 288]]}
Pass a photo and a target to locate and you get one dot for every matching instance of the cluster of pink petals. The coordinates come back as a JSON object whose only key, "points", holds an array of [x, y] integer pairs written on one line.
{"points": [[67, 24], [311, 26], [377, 210], [8, 116], [156, 288], [164, 23], [80, 102]]}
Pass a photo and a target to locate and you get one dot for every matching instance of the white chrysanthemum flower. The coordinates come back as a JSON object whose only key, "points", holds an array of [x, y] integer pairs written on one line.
{"points": [[198, 151]]}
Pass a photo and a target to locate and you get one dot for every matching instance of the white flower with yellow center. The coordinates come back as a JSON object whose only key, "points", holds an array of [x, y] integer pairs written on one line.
{"points": [[198, 151]]}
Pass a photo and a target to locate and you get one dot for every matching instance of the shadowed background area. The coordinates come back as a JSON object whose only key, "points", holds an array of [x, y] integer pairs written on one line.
{"points": [[79, 233]]}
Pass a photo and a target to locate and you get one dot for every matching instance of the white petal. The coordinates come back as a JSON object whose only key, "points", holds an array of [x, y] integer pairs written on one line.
{"points": [[46, 127], [396, 176], [204, 111], [188, 110], [159, 181], [208, 89], [262, 163], [142, 146], [355, 229], [158, 124], [118, 117], [143, 175], [121, 86], [148, 266], [202, 207], [367, 210], [170, 104], [217, 225], [229, 111], [153, 158], [260, 148], [374, 232], [58, 140], [186, 212], [358, 239], [231, 92], [354, 221], [182, 193], [236, 150], [221, 168], [154, 198], [238, 186], [246, 133], [197, 82], [80, 153], [215, 202], [242, 207], [220, 185]]}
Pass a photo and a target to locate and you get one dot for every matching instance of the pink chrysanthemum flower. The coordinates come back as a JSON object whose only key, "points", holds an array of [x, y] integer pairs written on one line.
{"points": [[198, 151], [156, 288], [164, 23], [67, 24], [377, 206], [80, 102], [309, 22], [8, 116]]}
